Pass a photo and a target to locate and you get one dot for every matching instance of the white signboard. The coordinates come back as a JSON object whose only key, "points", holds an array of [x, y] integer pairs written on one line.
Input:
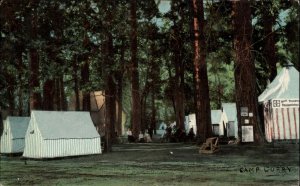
{"points": [[285, 103], [247, 134]]}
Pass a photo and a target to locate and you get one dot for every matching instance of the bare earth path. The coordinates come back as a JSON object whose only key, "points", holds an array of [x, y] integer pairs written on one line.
{"points": [[161, 164]]}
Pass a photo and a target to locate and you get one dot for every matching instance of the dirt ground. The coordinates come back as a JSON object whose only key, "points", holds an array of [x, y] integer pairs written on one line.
{"points": [[161, 164]]}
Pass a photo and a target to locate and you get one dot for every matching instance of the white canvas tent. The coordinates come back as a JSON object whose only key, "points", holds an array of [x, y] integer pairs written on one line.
{"points": [[281, 106], [218, 121], [191, 123], [54, 134], [14, 130], [230, 111]]}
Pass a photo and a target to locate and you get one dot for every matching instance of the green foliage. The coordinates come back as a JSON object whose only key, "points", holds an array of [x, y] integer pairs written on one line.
{"points": [[69, 33]]}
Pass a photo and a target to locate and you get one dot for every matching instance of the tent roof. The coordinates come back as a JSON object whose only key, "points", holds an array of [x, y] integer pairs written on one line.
{"points": [[18, 126], [230, 111], [216, 116], [284, 86], [58, 124]]}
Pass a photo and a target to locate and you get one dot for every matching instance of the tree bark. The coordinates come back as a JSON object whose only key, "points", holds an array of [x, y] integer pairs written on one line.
{"points": [[20, 80], [10, 93], [135, 89], [179, 76], [35, 96], [48, 95], [244, 74], [86, 103], [119, 94], [153, 112], [63, 101], [202, 100], [110, 96], [269, 51], [110, 113], [76, 85], [119, 103]]}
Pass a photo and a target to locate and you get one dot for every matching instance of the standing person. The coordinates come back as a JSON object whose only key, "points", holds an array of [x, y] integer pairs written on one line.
{"points": [[150, 132], [130, 137]]}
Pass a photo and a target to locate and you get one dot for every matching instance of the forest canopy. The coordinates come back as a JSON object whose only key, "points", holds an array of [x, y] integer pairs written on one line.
{"points": [[51, 51]]}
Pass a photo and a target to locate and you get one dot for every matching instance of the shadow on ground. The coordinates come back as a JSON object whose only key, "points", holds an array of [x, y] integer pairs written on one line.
{"points": [[161, 164]]}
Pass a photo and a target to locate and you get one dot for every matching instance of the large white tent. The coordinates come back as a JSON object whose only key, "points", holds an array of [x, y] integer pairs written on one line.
{"points": [[54, 134], [281, 106], [14, 130], [231, 113], [218, 121]]}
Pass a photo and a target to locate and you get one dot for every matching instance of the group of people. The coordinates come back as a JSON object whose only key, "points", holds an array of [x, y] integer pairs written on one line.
{"points": [[170, 135], [177, 135], [145, 137]]}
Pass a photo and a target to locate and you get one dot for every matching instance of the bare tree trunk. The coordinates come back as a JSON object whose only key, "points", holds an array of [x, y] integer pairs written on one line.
{"points": [[48, 95], [110, 95], [202, 101], [10, 93], [21, 84], [135, 88], [119, 94], [269, 51], [86, 103], [76, 85], [35, 96], [119, 104], [110, 113], [153, 113], [63, 101], [245, 80], [178, 79], [179, 96]]}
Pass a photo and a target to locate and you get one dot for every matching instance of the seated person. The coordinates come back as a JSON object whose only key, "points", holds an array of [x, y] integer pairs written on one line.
{"points": [[130, 136], [147, 137], [141, 137]]}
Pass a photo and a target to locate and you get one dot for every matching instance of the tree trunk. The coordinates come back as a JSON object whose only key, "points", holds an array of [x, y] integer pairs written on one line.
{"points": [[48, 95], [119, 104], [269, 51], [10, 93], [110, 113], [57, 96], [20, 80], [153, 112], [35, 96], [63, 101], [76, 85], [179, 77], [202, 101], [110, 95], [244, 74], [86, 103], [119, 98], [135, 89]]}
